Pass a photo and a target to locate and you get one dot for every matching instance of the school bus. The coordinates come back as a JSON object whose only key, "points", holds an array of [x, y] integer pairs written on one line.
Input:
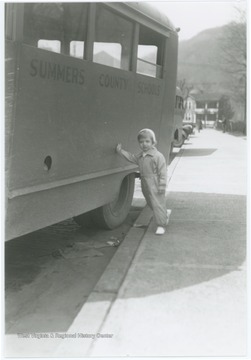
{"points": [[81, 77]]}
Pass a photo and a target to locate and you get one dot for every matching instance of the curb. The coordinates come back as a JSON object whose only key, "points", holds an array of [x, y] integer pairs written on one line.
{"points": [[174, 163], [87, 325]]}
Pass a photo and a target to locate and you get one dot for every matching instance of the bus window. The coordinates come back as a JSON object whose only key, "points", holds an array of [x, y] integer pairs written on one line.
{"points": [[150, 53], [50, 45], [147, 58], [113, 39], [102, 54], [57, 27], [77, 49]]}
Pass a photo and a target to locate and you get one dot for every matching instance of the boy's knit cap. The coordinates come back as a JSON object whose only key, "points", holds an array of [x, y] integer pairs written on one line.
{"points": [[150, 132]]}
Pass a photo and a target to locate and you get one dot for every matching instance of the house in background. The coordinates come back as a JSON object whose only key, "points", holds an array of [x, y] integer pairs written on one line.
{"points": [[189, 106], [102, 57], [204, 107], [207, 108]]}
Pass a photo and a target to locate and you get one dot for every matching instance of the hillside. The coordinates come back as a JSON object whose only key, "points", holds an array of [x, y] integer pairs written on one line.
{"points": [[199, 61]]}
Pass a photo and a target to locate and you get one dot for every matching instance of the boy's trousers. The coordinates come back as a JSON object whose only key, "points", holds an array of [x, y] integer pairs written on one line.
{"points": [[156, 201]]}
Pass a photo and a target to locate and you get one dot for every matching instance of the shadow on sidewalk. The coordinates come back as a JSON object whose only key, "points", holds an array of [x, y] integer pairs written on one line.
{"points": [[238, 134], [196, 152], [206, 239], [234, 133]]}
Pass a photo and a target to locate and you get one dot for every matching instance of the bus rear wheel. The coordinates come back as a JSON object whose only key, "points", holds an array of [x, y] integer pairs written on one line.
{"points": [[111, 215]]}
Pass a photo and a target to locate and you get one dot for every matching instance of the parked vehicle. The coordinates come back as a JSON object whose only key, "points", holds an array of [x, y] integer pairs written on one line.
{"points": [[178, 136], [79, 80], [187, 130]]}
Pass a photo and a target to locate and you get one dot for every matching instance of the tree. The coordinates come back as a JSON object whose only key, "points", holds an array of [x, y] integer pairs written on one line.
{"points": [[184, 87], [226, 111], [233, 57], [233, 46]]}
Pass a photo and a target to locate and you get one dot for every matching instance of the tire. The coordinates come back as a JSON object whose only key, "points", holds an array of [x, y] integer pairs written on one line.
{"points": [[184, 136], [111, 215], [179, 143], [178, 138]]}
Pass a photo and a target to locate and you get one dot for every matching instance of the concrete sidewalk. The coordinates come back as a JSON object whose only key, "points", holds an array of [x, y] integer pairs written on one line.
{"points": [[185, 292]]}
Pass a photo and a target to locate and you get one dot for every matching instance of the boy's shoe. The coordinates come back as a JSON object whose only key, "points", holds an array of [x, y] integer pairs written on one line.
{"points": [[160, 230], [168, 213]]}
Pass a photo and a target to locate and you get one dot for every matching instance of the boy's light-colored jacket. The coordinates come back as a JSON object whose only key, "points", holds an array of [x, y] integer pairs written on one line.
{"points": [[152, 164]]}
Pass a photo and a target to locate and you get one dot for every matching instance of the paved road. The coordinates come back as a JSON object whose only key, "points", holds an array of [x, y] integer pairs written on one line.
{"points": [[50, 273]]}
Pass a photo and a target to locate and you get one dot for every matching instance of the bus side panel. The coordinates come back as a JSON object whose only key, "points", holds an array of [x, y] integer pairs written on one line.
{"points": [[48, 92], [170, 75], [111, 114], [43, 208], [58, 117], [10, 101], [155, 101], [148, 102]]}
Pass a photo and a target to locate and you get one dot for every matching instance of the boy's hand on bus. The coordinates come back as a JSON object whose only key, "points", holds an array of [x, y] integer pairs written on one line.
{"points": [[118, 148]]}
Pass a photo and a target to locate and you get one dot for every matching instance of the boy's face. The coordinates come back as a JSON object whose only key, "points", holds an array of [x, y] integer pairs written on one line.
{"points": [[145, 143]]}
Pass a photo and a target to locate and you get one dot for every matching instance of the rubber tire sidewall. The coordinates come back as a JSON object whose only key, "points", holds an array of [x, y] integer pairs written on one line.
{"points": [[105, 216]]}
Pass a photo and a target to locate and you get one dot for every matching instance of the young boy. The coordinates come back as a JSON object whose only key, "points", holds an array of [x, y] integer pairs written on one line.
{"points": [[153, 171]]}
